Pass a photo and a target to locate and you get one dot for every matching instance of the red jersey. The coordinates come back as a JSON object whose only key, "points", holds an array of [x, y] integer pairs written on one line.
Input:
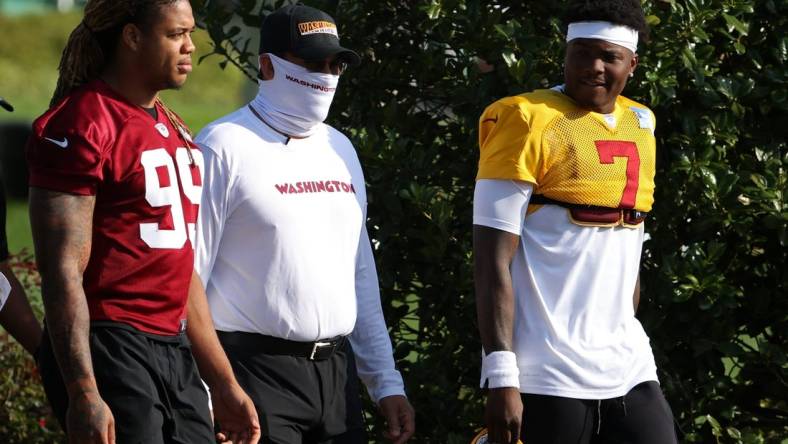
{"points": [[147, 188]]}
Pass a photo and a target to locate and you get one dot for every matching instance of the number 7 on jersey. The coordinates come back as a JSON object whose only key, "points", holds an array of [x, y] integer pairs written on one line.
{"points": [[608, 151]]}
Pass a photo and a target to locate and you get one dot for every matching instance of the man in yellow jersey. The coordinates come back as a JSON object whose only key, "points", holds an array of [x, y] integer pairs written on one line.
{"points": [[566, 178]]}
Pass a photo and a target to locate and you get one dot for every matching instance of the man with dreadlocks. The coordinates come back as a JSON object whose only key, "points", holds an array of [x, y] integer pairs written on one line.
{"points": [[115, 188], [566, 177]]}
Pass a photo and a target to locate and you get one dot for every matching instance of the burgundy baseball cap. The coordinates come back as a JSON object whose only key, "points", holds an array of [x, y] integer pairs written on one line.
{"points": [[309, 33]]}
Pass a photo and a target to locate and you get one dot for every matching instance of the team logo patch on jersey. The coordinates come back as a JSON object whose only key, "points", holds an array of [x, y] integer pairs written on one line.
{"points": [[318, 27], [163, 130], [644, 117]]}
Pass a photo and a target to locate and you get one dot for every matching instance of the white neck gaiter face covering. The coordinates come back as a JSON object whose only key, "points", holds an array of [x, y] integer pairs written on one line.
{"points": [[296, 100]]}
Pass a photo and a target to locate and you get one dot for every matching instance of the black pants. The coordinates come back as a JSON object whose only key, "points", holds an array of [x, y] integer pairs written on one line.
{"points": [[150, 384], [299, 401], [642, 416]]}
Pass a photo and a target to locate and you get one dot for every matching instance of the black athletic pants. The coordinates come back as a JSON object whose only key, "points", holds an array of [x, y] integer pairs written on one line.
{"points": [[642, 416], [149, 382], [299, 401]]}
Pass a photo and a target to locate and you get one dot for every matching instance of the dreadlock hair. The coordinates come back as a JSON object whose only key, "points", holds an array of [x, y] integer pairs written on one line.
{"points": [[91, 45], [621, 12]]}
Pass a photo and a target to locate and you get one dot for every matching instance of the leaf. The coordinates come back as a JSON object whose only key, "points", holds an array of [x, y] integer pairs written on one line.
{"points": [[715, 425], [700, 35], [688, 57], [708, 177], [782, 49], [434, 10], [509, 58], [726, 182], [734, 23], [504, 30], [738, 109], [758, 180]]}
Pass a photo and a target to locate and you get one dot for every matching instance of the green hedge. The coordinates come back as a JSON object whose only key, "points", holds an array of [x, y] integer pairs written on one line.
{"points": [[25, 416], [714, 287]]}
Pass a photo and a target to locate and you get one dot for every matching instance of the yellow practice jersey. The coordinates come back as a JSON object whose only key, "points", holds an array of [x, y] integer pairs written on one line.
{"points": [[570, 154]]}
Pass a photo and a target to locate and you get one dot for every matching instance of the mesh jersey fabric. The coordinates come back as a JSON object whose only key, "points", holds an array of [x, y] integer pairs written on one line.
{"points": [[575, 330], [571, 154], [147, 190]]}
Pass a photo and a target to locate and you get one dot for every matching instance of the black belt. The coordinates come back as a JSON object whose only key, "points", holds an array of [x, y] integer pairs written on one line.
{"points": [[314, 351]]}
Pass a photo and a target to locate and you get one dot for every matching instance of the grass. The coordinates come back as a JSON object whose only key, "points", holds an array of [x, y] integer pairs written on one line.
{"points": [[18, 227], [30, 48]]}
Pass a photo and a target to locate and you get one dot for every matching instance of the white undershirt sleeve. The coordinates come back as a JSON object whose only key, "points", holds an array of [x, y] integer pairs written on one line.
{"points": [[370, 337], [501, 204], [212, 214], [5, 290]]}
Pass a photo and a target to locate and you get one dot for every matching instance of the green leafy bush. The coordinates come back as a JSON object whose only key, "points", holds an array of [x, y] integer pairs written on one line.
{"points": [[713, 268], [25, 416]]}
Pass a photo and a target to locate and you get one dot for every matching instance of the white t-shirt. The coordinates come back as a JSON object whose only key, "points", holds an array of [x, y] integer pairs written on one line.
{"points": [[5, 290], [282, 246], [575, 331]]}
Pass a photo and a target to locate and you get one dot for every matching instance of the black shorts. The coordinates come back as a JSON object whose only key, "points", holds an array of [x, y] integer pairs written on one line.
{"points": [[642, 416], [149, 382], [299, 401]]}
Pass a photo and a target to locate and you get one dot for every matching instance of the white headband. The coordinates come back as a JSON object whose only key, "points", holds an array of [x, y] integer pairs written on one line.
{"points": [[609, 32]]}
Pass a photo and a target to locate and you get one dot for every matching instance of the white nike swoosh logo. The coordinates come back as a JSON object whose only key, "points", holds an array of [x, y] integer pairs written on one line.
{"points": [[63, 144]]}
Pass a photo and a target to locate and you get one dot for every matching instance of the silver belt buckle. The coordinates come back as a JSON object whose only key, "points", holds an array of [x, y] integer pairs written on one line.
{"points": [[318, 345]]}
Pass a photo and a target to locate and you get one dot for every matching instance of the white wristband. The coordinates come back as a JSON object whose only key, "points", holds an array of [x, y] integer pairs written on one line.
{"points": [[499, 369]]}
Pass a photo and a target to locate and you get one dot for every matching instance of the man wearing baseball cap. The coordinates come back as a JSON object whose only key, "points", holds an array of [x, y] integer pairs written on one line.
{"points": [[283, 251]]}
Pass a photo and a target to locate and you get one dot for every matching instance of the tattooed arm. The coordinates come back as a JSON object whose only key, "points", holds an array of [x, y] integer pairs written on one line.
{"points": [[62, 231]]}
